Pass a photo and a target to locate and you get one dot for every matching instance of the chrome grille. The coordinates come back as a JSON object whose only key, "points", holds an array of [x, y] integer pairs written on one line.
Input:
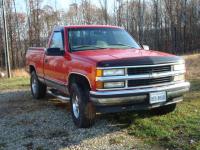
{"points": [[147, 70], [144, 82], [143, 76]]}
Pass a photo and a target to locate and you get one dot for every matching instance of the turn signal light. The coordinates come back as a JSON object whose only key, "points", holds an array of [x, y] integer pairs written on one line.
{"points": [[99, 73]]}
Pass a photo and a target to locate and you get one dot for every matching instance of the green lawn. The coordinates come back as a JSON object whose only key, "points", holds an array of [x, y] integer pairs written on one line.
{"points": [[14, 83], [177, 130]]}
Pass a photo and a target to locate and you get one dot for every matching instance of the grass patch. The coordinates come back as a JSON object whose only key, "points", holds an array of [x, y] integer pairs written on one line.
{"points": [[2, 146], [14, 83], [116, 140], [177, 130], [40, 148]]}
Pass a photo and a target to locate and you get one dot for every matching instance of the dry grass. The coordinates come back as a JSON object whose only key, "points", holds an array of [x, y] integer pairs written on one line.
{"points": [[19, 73], [16, 73], [193, 66]]}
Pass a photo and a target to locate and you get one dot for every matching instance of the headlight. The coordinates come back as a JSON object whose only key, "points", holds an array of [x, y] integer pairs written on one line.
{"points": [[179, 78], [110, 72], [179, 67], [114, 85]]}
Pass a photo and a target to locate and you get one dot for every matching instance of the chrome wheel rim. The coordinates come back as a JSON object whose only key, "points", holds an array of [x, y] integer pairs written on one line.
{"points": [[34, 85], [75, 105]]}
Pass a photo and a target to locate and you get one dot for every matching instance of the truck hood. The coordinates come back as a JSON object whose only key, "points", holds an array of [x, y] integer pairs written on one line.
{"points": [[126, 57]]}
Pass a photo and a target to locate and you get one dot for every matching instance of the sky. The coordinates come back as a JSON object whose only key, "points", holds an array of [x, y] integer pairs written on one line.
{"points": [[61, 4]]}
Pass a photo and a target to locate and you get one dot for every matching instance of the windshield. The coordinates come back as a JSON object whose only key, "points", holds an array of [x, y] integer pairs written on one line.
{"points": [[100, 38]]}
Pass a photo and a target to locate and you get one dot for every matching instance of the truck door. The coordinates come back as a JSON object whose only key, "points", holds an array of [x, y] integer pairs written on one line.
{"points": [[54, 66]]}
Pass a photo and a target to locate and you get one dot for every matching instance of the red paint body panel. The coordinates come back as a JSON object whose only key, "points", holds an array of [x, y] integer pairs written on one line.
{"points": [[92, 26], [114, 54], [59, 68], [35, 58]]}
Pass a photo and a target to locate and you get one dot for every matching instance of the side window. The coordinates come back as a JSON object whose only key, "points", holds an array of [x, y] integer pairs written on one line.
{"points": [[57, 41]]}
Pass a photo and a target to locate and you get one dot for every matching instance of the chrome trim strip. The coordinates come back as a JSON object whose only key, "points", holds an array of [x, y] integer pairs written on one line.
{"points": [[141, 87], [144, 90], [142, 66], [119, 100], [132, 100], [59, 96], [55, 81], [142, 76]]}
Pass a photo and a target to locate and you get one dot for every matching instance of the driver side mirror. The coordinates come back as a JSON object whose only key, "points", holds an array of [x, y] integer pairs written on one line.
{"points": [[145, 47], [55, 52]]}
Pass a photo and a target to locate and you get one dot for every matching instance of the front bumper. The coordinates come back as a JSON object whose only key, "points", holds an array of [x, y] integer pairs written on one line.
{"points": [[138, 98]]}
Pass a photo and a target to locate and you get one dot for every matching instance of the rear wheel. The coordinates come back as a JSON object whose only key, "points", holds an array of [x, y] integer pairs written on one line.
{"points": [[83, 112], [164, 109], [38, 89]]}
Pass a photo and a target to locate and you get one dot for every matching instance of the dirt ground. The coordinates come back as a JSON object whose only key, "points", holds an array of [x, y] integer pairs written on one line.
{"points": [[28, 124]]}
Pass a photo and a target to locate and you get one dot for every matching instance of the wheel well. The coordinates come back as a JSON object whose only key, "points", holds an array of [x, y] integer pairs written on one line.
{"points": [[31, 69], [79, 79]]}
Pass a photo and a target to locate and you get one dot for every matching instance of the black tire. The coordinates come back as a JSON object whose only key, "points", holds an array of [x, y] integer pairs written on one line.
{"points": [[86, 111], [38, 89], [164, 109]]}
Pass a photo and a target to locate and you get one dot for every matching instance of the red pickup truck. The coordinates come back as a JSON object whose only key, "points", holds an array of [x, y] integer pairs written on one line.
{"points": [[103, 69]]}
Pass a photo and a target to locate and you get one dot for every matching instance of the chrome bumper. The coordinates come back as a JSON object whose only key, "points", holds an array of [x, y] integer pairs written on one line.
{"points": [[137, 96]]}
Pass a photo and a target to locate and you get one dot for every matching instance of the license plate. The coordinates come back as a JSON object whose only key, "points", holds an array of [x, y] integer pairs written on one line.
{"points": [[157, 97]]}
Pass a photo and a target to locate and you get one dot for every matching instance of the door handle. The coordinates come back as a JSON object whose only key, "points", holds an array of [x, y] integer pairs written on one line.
{"points": [[46, 60]]}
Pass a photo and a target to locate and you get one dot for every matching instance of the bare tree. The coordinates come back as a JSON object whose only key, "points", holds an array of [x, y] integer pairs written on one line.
{"points": [[168, 25], [104, 7]]}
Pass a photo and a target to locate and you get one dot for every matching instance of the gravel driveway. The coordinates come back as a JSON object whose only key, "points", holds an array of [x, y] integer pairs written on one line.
{"points": [[47, 124]]}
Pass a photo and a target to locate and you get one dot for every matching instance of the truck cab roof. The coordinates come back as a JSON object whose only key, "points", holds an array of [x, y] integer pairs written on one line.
{"points": [[59, 28]]}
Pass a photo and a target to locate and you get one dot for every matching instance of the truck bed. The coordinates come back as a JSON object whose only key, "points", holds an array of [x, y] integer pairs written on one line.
{"points": [[35, 57]]}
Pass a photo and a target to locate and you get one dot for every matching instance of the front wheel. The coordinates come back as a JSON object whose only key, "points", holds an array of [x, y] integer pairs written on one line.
{"points": [[38, 89], [83, 112], [164, 109]]}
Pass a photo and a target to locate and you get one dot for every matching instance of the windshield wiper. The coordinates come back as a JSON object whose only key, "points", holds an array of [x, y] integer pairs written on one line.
{"points": [[89, 47], [123, 45]]}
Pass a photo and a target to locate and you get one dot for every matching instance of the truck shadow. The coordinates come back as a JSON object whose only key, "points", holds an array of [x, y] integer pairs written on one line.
{"points": [[49, 122], [125, 119]]}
